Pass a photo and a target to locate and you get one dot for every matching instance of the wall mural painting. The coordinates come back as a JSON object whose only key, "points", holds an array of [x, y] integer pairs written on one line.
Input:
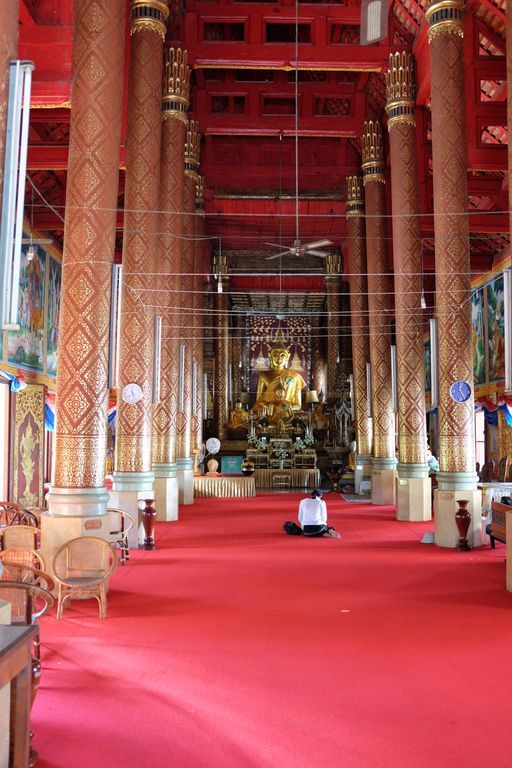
{"points": [[427, 359], [496, 328], [25, 347], [478, 335], [52, 316], [28, 446], [267, 331]]}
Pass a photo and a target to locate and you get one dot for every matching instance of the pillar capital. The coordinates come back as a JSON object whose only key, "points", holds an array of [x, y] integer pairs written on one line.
{"points": [[200, 195], [400, 88], [445, 17], [149, 16], [373, 164], [355, 196], [192, 149], [333, 264], [176, 85]]}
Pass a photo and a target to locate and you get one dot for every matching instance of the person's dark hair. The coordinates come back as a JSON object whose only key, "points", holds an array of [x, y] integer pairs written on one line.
{"points": [[316, 494]]}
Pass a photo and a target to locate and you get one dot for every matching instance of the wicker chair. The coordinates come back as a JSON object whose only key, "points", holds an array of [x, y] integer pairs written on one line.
{"points": [[82, 568], [23, 556], [14, 514], [26, 575], [19, 537], [120, 523]]}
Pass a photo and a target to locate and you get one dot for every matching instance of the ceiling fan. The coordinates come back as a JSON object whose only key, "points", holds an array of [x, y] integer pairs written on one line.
{"points": [[298, 248]]}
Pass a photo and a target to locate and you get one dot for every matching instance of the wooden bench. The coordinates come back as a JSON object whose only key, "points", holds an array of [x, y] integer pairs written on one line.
{"points": [[497, 528]]}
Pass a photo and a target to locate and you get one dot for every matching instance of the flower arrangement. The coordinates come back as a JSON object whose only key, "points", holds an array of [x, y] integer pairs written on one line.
{"points": [[257, 442], [433, 464], [280, 453], [309, 439], [299, 444]]}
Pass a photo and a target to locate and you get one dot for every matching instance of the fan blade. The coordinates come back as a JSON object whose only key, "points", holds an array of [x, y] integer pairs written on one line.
{"points": [[278, 255], [317, 244], [274, 245], [36, 241], [321, 254]]}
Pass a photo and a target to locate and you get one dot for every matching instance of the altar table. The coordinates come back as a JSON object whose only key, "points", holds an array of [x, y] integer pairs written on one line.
{"points": [[224, 486], [493, 492], [299, 478]]}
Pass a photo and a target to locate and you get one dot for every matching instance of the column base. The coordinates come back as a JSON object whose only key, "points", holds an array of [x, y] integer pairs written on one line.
{"points": [[413, 498], [166, 492], [133, 481], [383, 481], [128, 501], [446, 533], [362, 471], [185, 474]]}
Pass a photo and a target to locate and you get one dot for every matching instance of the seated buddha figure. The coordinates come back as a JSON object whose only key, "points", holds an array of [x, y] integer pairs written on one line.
{"points": [[239, 417], [279, 390]]}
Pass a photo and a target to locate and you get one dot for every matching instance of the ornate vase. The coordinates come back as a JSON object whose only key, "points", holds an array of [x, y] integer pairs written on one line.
{"points": [[463, 520], [247, 468], [281, 463], [148, 521]]}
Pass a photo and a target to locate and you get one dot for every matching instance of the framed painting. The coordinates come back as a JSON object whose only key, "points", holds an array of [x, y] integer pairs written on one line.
{"points": [[427, 360], [496, 328], [52, 315], [25, 347], [478, 335]]}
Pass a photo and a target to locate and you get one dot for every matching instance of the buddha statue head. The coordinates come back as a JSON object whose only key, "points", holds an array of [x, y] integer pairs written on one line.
{"points": [[278, 358]]}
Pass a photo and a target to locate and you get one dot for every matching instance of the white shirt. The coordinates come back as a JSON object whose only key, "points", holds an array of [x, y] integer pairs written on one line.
{"points": [[312, 512]]}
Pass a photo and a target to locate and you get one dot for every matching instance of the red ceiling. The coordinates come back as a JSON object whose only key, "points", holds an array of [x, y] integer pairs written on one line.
{"points": [[243, 55]]}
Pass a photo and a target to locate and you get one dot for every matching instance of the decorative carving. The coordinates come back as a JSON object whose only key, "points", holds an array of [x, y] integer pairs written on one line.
{"points": [[400, 87], [192, 150], [149, 16], [445, 17], [28, 446], [373, 164], [176, 87]]}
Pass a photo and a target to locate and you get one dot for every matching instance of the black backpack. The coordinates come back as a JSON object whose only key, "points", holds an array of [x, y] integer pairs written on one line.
{"points": [[292, 529]]}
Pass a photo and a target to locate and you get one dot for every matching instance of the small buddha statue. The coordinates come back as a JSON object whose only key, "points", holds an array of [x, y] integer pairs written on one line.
{"points": [[239, 417], [279, 390]]}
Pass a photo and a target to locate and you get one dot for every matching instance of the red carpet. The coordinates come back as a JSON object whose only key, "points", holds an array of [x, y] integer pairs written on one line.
{"points": [[235, 646]]}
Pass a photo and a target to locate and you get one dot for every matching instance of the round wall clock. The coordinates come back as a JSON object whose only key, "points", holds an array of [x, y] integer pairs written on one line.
{"points": [[132, 393], [460, 391]]}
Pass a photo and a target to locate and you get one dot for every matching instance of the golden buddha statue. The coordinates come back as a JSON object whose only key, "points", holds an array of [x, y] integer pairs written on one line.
{"points": [[278, 394]]}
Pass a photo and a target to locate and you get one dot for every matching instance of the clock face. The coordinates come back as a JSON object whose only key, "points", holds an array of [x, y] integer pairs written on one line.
{"points": [[132, 393], [460, 391]]}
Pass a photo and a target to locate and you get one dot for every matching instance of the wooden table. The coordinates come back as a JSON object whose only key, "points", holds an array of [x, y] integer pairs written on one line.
{"points": [[16, 668]]}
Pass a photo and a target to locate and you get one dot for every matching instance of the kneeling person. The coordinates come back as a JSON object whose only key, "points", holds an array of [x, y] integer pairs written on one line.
{"points": [[313, 517]]}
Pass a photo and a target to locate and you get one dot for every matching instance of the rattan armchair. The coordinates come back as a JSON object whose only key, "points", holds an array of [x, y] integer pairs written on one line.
{"points": [[26, 575], [120, 523], [23, 556], [12, 513], [19, 536], [82, 568]]}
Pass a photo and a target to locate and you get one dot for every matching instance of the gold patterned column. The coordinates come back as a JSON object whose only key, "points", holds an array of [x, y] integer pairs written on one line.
{"points": [[356, 267], [221, 350], [196, 425], [80, 440], [457, 478], [413, 484], [134, 428], [9, 14], [318, 366], [332, 289], [184, 458], [175, 100], [78, 498], [379, 307]]}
